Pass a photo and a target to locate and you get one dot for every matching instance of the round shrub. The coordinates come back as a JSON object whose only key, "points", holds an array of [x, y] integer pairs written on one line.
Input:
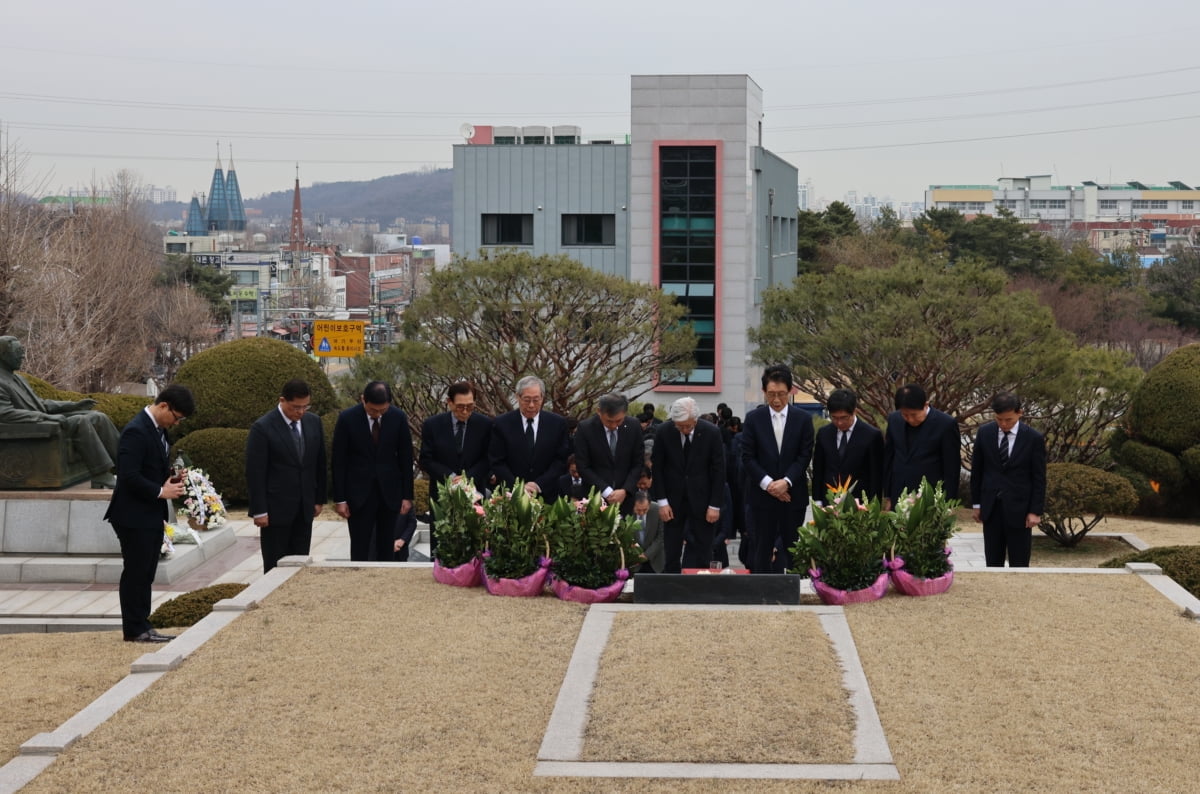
{"points": [[1150, 501], [1157, 464], [1163, 410], [1075, 491], [237, 382], [190, 608], [48, 391], [1181, 563], [221, 452]]}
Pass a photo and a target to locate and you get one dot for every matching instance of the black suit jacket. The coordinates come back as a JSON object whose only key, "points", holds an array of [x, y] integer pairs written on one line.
{"points": [[142, 468], [596, 463], [762, 457], [690, 486], [933, 455], [1020, 484], [511, 459], [280, 483], [359, 464], [440, 457], [861, 461]]}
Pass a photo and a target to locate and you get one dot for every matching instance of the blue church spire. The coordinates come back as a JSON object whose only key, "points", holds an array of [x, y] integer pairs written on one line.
{"points": [[237, 212], [196, 227], [218, 201]]}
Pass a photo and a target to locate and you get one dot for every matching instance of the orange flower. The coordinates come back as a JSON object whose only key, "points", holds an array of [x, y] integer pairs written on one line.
{"points": [[1154, 485]]}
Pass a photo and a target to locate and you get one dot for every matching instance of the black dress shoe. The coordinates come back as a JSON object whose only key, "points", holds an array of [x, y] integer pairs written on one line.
{"points": [[167, 637], [149, 636]]}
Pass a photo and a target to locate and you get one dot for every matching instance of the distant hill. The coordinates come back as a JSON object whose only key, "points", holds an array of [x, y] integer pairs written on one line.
{"points": [[412, 196]]}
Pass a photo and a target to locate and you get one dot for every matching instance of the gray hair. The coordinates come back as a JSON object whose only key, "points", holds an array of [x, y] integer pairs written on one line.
{"points": [[683, 409], [531, 380], [613, 404]]}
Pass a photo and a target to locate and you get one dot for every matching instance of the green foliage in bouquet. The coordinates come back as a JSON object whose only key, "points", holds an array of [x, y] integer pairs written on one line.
{"points": [[457, 522], [846, 541], [925, 523], [589, 540], [513, 534]]}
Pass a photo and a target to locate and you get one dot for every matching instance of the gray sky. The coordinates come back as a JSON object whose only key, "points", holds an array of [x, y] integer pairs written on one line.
{"points": [[358, 90]]}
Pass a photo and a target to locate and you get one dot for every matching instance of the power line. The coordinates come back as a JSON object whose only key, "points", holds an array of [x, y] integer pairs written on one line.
{"points": [[290, 160], [1139, 123], [300, 136]]}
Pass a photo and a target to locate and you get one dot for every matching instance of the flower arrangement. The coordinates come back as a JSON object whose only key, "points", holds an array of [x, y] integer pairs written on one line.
{"points": [[202, 506], [590, 541], [513, 534], [847, 540], [168, 544], [458, 521], [925, 523]]}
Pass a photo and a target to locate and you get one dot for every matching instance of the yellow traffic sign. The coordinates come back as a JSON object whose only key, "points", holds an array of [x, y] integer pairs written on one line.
{"points": [[340, 338]]}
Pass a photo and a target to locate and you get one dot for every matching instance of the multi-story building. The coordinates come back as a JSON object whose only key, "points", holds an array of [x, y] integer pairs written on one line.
{"points": [[1035, 199], [692, 202]]}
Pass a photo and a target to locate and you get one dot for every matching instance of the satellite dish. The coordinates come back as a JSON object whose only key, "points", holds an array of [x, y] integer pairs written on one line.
{"points": [[467, 131]]}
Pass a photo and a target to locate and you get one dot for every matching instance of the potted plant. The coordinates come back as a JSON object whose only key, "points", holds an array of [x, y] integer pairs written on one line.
{"points": [[516, 554], [458, 522], [925, 522], [846, 544], [589, 544]]}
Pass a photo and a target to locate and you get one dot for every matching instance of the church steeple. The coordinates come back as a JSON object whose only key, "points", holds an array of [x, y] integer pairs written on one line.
{"points": [[236, 211], [217, 215], [297, 235]]}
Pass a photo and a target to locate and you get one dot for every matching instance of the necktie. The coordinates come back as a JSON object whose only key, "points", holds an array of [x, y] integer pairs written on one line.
{"points": [[162, 431], [841, 449], [778, 420], [375, 430], [612, 442], [529, 433], [298, 439], [687, 446], [641, 533], [458, 435], [1004, 449]]}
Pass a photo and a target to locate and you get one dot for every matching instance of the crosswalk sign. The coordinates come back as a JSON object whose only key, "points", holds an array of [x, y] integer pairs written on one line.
{"points": [[324, 346]]}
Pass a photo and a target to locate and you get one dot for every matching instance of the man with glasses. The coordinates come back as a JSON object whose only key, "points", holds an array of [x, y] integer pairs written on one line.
{"points": [[777, 444], [373, 473], [139, 508], [609, 452], [285, 472], [455, 444], [847, 449], [530, 444]]}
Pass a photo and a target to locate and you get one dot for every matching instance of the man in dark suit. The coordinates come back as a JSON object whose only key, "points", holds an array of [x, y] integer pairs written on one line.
{"points": [[373, 473], [649, 533], [609, 451], [920, 442], [847, 449], [530, 444], [688, 461], [777, 443], [455, 444], [285, 472], [138, 506], [1008, 483]]}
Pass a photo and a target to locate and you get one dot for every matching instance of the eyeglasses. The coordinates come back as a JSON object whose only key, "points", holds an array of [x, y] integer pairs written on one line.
{"points": [[530, 400], [299, 406], [178, 416]]}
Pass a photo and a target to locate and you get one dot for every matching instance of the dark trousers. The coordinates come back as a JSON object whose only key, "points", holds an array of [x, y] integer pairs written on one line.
{"points": [[775, 532], [279, 541], [372, 519], [1000, 539], [140, 549], [697, 553]]}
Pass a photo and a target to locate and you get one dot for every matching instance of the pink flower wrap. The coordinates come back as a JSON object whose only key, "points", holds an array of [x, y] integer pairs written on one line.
{"points": [[531, 585], [465, 575], [834, 597], [584, 595]]}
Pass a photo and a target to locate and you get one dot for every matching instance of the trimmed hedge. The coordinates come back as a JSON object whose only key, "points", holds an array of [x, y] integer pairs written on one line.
{"points": [[1074, 491], [421, 495], [1163, 411], [120, 408], [221, 452], [190, 608], [1181, 563], [239, 381]]}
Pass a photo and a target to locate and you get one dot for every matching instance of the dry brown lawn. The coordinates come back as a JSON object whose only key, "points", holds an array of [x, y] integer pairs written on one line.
{"points": [[661, 666], [382, 680], [46, 678]]}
